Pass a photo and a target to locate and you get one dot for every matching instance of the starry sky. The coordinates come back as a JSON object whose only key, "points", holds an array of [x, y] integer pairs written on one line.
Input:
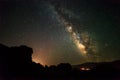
{"points": [[63, 31]]}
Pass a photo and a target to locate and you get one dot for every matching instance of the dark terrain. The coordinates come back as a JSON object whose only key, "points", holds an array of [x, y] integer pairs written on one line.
{"points": [[16, 64]]}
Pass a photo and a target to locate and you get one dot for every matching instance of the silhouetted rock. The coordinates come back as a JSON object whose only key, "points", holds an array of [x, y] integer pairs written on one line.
{"points": [[17, 61]]}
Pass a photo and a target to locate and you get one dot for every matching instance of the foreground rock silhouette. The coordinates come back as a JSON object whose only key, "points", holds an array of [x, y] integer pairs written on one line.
{"points": [[16, 64]]}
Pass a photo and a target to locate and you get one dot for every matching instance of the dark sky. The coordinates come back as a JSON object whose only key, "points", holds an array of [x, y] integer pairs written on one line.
{"points": [[74, 31]]}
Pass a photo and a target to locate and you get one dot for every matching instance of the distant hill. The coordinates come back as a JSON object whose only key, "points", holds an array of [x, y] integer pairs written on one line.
{"points": [[92, 65]]}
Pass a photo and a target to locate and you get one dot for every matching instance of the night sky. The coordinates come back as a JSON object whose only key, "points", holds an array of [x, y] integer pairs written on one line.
{"points": [[63, 31]]}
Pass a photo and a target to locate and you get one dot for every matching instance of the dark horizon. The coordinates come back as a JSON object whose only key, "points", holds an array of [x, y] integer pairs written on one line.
{"points": [[20, 67]]}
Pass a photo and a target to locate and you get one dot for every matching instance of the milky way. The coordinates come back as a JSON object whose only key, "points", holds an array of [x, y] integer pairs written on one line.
{"points": [[81, 39]]}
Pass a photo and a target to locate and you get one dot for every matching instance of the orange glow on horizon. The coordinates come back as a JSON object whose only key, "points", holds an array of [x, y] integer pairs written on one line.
{"points": [[38, 61], [84, 69]]}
